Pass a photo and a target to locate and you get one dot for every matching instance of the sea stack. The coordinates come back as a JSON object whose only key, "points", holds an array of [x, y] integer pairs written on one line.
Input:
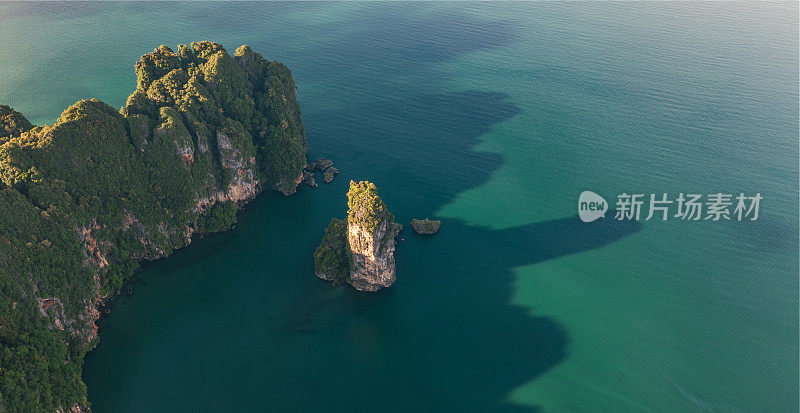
{"points": [[370, 233], [360, 251]]}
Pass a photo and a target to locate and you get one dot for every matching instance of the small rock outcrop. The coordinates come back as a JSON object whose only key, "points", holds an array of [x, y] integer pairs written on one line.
{"points": [[323, 163], [426, 226], [308, 178], [361, 252], [329, 173]]}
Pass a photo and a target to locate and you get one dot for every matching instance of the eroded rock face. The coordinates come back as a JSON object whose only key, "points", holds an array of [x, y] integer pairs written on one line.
{"points": [[370, 233], [373, 255], [359, 251]]}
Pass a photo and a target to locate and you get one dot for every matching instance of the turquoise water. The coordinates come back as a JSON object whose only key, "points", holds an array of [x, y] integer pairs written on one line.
{"points": [[492, 118]]}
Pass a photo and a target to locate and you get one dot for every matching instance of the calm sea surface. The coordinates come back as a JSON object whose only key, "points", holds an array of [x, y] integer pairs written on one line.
{"points": [[492, 118]]}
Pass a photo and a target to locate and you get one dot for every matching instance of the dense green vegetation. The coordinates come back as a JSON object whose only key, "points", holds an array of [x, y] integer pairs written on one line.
{"points": [[219, 218], [84, 200], [365, 207], [12, 123], [332, 257]]}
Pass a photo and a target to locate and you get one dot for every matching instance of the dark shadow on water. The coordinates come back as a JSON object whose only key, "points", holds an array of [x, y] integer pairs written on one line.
{"points": [[419, 148], [421, 163], [480, 343], [464, 345]]}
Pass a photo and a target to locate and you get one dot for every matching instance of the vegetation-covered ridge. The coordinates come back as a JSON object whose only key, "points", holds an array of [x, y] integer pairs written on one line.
{"points": [[84, 200]]}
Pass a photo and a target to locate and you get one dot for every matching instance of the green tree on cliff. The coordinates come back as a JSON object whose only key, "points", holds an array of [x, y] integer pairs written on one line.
{"points": [[365, 207]]}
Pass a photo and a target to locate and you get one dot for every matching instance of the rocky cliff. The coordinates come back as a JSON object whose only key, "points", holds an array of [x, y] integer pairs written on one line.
{"points": [[362, 252], [85, 199], [373, 255]]}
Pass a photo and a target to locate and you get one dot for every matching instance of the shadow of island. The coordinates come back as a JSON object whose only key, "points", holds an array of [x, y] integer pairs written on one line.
{"points": [[446, 336], [471, 345]]}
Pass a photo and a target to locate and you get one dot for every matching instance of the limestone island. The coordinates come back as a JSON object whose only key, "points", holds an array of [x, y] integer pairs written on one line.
{"points": [[359, 251], [85, 200], [426, 226]]}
